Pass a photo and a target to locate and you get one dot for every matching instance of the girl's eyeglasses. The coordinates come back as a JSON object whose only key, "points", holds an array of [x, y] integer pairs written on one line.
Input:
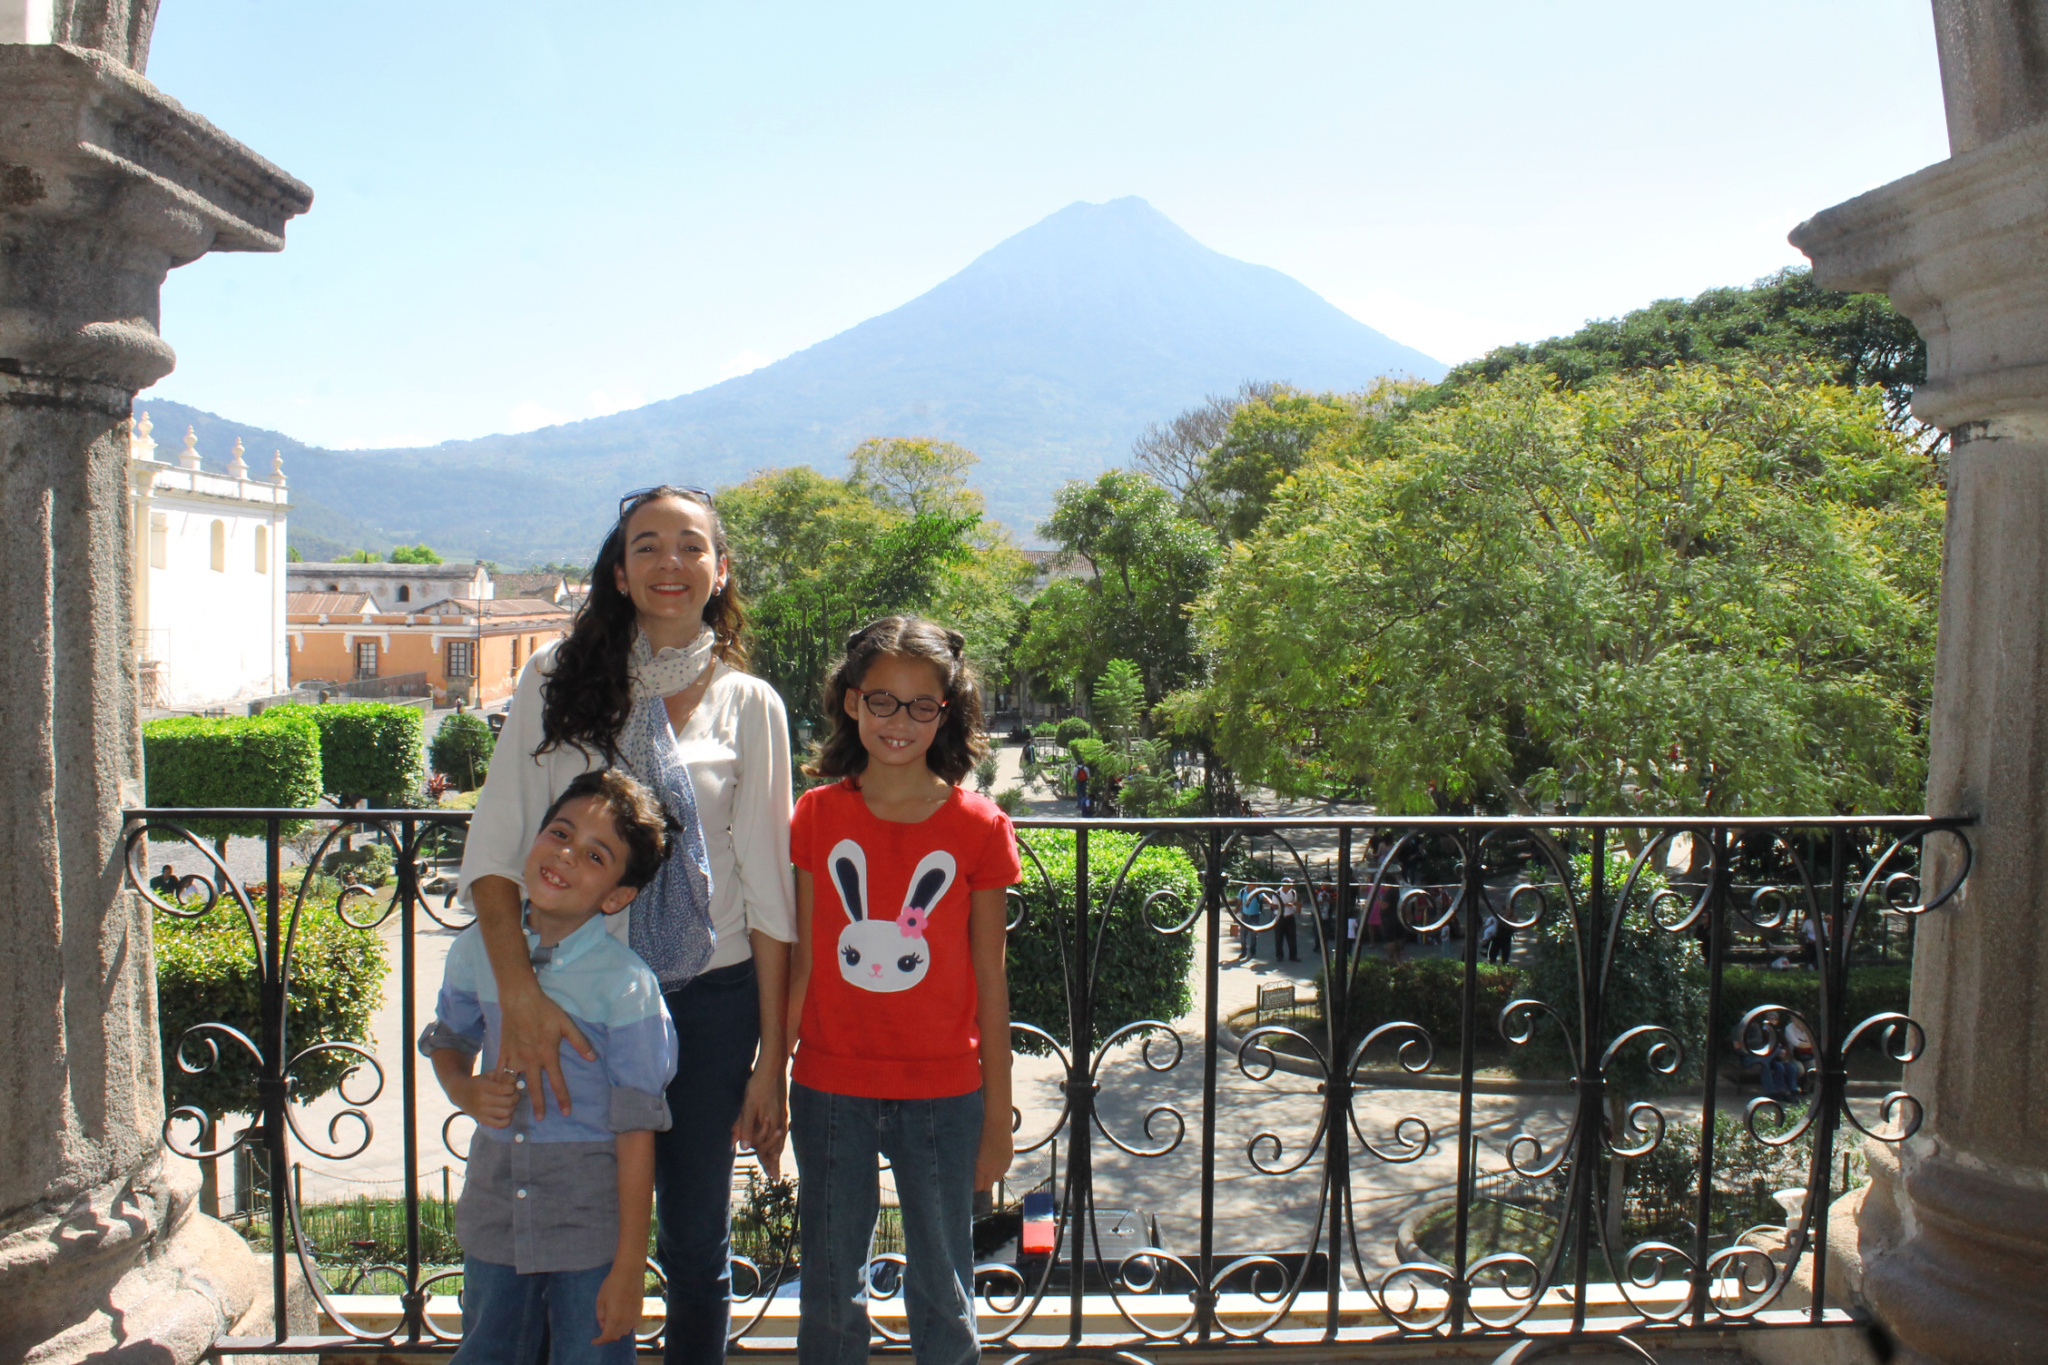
{"points": [[632, 499], [882, 705]]}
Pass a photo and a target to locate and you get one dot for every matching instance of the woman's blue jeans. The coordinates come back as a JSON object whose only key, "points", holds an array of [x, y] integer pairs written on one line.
{"points": [[718, 1024], [931, 1146]]}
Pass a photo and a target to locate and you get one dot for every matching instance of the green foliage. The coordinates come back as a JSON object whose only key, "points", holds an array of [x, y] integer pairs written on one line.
{"points": [[368, 750], [413, 554], [266, 760], [361, 557], [1147, 564], [1268, 439], [1143, 974], [366, 865], [1871, 990], [914, 475], [1679, 590], [1071, 729], [292, 555], [461, 750], [1654, 977], [1429, 991], [207, 971], [1010, 800], [818, 558], [985, 773], [1783, 319]]}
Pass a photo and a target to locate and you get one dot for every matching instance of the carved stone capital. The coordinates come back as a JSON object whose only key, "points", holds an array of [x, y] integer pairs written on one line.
{"points": [[105, 185], [1960, 248]]}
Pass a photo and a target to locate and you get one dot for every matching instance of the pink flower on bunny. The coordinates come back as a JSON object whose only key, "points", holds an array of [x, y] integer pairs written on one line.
{"points": [[886, 956]]}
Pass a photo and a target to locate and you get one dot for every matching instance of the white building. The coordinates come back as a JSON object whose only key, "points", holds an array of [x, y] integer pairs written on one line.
{"points": [[209, 577], [396, 587]]}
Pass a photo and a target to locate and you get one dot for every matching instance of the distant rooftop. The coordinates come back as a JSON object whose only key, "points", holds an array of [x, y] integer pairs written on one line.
{"points": [[346, 568], [491, 606], [329, 603]]}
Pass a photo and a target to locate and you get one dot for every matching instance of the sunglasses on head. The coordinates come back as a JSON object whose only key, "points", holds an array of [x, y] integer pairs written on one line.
{"points": [[634, 498]]}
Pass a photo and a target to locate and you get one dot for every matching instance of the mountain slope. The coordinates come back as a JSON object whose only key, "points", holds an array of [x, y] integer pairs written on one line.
{"points": [[1046, 355]]}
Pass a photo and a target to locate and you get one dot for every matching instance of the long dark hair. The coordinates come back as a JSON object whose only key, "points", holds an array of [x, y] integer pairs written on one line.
{"points": [[587, 697], [959, 742]]}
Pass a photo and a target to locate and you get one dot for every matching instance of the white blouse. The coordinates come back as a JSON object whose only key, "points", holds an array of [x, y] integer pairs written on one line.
{"points": [[736, 745]]}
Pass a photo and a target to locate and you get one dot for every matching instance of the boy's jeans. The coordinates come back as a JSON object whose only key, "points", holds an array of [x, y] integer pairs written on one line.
{"points": [[510, 1319], [931, 1146]]}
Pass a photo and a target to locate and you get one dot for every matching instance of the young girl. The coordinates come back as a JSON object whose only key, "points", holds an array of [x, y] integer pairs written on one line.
{"points": [[898, 999]]}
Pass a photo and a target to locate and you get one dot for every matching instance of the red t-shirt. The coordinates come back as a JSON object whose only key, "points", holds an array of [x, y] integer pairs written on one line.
{"points": [[890, 1009]]}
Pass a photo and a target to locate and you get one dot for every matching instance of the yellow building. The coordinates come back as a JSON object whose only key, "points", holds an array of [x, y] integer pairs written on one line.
{"points": [[465, 649]]}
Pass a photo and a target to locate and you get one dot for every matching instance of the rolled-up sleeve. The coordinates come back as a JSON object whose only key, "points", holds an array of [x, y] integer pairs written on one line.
{"points": [[760, 817], [639, 1055], [516, 790]]}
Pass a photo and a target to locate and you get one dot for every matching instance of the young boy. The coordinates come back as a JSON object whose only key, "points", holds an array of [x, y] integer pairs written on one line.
{"points": [[553, 1216]]}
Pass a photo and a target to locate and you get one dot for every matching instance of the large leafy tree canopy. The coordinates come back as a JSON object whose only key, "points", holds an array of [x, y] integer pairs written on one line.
{"points": [[1675, 590], [817, 557], [1144, 566], [1853, 339]]}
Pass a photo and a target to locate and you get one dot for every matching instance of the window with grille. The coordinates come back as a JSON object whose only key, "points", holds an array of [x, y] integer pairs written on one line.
{"points": [[462, 658], [366, 659]]}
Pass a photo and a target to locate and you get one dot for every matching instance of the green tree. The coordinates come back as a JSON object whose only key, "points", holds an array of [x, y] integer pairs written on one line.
{"points": [[1146, 566], [1855, 339], [461, 749], [292, 555], [1268, 438], [1174, 453], [818, 558], [361, 557], [413, 554], [914, 475], [1675, 590]]}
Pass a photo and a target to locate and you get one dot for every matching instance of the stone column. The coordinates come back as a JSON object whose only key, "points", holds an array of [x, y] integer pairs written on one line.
{"points": [[1956, 1245], [104, 186]]}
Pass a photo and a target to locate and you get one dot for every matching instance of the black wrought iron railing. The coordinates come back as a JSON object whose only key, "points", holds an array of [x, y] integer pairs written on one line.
{"points": [[1580, 1140]]}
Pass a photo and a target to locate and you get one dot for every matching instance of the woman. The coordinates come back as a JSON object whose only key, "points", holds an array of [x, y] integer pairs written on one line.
{"points": [[650, 678]]}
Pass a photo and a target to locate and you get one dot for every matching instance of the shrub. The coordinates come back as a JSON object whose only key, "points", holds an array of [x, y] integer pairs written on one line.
{"points": [[462, 749], [1657, 977], [369, 865], [207, 972], [1045, 729], [1872, 990], [266, 760], [368, 750], [985, 773], [1071, 729], [1143, 974], [1010, 800], [1429, 991]]}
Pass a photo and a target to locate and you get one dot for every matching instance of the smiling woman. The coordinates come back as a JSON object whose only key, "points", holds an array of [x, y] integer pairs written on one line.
{"points": [[650, 678]]}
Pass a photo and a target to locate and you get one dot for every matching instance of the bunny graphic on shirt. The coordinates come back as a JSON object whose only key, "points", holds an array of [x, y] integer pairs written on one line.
{"points": [[886, 955]]}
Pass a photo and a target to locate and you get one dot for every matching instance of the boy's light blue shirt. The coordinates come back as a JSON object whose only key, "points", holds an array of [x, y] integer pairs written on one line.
{"points": [[543, 1195]]}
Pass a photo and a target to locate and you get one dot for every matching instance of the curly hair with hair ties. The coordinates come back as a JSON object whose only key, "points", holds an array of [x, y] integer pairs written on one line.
{"points": [[959, 742], [587, 696]]}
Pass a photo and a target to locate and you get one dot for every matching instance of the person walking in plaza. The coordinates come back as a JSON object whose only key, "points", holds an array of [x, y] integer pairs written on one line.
{"points": [[901, 1016], [1286, 937], [651, 677], [554, 1210]]}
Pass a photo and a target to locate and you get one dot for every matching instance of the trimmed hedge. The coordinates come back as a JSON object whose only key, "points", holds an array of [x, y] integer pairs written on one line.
{"points": [[1429, 991], [266, 760], [461, 750], [207, 972], [368, 750], [1144, 975], [1071, 729], [1872, 990]]}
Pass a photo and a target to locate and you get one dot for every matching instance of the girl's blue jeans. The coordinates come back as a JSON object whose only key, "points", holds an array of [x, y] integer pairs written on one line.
{"points": [[718, 1022], [514, 1319], [931, 1146]]}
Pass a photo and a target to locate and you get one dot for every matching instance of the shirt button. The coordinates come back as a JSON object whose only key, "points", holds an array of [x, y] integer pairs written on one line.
{"points": [[522, 1194], [519, 1137]]}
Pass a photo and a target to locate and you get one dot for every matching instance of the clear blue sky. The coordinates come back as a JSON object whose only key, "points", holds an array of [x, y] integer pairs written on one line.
{"points": [[531, 212]]}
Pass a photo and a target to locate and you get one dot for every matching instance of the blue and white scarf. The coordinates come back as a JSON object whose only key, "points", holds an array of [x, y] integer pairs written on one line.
{"points": [[670, 923]]}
